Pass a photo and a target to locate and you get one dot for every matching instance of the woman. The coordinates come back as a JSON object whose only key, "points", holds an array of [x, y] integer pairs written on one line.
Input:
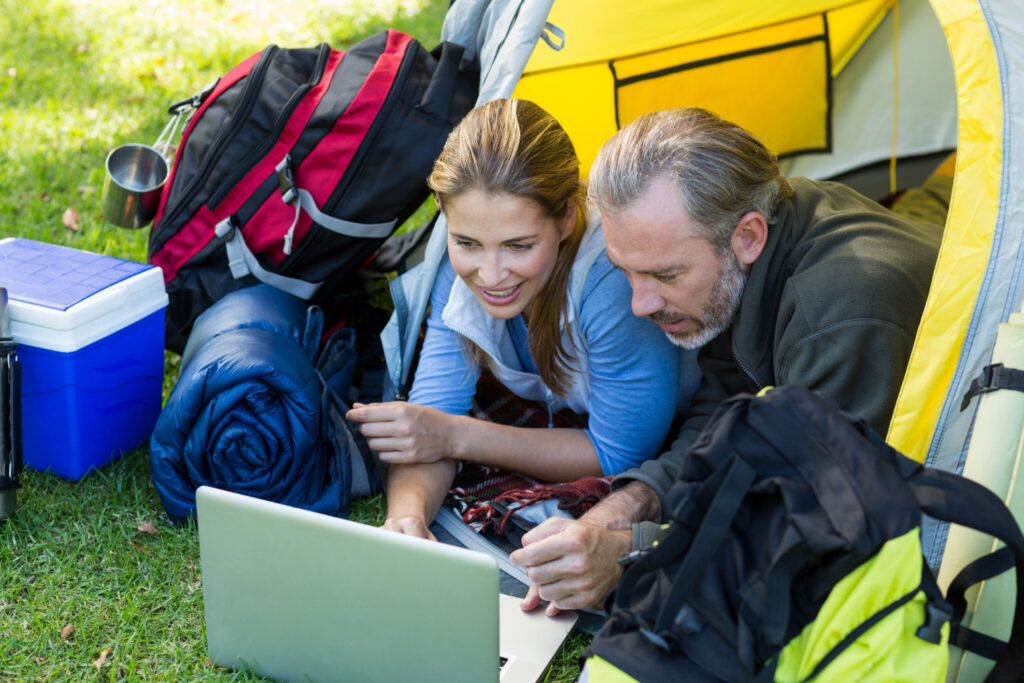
{"points": [[526, 293]]}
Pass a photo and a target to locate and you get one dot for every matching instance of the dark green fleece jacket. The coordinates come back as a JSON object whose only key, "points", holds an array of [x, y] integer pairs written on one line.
{"points": [[832, 303]]}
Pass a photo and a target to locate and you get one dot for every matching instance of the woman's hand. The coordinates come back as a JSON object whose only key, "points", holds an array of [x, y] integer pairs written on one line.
{"points": [[410, 526], [405, 433]]}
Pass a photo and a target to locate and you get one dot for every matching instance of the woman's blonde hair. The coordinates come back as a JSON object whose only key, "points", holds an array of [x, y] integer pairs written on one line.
{"points": [[515, 147]]}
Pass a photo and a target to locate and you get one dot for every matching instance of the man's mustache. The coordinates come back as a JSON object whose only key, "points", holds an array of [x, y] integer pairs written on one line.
{"points": [[667, 318]]}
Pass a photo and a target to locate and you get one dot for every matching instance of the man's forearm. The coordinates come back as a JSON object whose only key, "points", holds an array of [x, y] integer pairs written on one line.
{"points": [[634, 502]]}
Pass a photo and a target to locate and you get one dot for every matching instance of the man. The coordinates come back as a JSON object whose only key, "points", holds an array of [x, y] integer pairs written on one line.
{"points": [[776, 281]]}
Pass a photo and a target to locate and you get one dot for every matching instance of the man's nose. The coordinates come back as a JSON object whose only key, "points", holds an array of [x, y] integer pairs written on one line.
{"points": [[645, 300]]}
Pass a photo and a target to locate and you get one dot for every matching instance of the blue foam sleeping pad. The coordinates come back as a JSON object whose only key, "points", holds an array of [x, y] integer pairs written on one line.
{"points": [[257, 410]]}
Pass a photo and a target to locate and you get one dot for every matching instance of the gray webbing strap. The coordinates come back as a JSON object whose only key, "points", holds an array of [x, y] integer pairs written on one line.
{"points": [[291, 192], [342, 227], [243, 262]]}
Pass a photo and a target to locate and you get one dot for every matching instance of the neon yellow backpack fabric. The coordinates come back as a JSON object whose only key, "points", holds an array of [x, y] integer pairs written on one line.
{"points": [[890, 650]]}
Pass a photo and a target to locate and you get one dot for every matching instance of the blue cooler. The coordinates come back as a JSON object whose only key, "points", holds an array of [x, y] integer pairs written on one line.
{"points": [[89, 331]]}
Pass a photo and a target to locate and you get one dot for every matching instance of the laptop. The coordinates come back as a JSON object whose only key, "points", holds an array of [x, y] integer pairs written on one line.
{"points": [[299, 596]]}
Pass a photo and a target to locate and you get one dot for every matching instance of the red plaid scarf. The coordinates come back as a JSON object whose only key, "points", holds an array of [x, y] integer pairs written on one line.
{"points": [[487, 497]]}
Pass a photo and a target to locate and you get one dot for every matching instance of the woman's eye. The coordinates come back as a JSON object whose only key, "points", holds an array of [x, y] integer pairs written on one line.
{"points": [[518, 246], [463, 244]]}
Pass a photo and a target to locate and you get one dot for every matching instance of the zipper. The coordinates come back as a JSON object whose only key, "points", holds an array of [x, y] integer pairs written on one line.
{"points": [[279, 125], [746, 370], [369, 139], [253, 81]]}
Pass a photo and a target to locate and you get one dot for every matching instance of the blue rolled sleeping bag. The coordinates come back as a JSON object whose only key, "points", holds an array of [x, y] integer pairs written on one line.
{"points": [[258, 411]]}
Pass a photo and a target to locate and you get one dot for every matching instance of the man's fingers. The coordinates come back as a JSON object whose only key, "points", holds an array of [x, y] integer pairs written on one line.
{"points": [[549, 527], [538, 553], [532, 599]]}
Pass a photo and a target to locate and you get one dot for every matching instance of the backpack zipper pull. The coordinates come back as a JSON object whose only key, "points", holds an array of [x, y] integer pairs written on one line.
{"points": [[290, 235], [288, 195]]}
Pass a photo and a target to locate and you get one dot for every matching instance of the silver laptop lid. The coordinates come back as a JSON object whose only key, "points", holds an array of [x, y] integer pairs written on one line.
{"points": [[296, 596]]}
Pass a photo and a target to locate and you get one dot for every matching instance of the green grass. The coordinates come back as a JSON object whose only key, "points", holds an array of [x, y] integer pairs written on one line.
{"points": [[78, 578]]}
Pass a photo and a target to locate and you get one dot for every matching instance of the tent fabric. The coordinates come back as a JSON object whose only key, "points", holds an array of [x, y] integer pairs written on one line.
{"points": [[649, 25], [925, 408], [252, 413], [977, 282], [864, 101], [768, 67]]}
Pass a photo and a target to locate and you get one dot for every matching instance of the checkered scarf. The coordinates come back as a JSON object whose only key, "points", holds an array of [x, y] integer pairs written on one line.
{"points": [[487, 497]]}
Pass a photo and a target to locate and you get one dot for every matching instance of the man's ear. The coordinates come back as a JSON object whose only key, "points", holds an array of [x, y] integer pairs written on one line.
{"points": [[569, 220], [749, 237]]}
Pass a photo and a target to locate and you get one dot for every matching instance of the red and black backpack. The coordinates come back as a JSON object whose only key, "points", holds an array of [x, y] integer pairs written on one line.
{"points": [[297, 165]]}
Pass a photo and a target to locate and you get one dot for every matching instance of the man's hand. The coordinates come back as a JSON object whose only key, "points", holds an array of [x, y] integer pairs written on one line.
{"points": [[404, 433], [572, 564]]}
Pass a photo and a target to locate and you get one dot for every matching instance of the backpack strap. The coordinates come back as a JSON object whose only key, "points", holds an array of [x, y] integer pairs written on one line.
{"points": [[709, 537], [290, 192], [243, 262], [958, 500]]}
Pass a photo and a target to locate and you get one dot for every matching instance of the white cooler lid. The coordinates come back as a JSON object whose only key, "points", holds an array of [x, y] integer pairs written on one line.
{"points": [[64, 299]]}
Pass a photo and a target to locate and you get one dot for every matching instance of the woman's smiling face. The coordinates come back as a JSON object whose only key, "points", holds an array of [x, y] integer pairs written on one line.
{"points": [[504, 247]]}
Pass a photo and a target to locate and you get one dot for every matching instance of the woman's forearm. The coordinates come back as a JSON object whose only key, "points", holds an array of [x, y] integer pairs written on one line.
{"points": [[546, 454], [418, 490]]}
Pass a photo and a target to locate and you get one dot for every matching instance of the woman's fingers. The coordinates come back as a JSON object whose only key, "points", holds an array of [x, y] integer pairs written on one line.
{"points": [[374, 412], [401, 433], [409, 526]]}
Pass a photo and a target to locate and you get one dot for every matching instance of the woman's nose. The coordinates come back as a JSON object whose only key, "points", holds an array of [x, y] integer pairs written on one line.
{"points": [[492, 270]]}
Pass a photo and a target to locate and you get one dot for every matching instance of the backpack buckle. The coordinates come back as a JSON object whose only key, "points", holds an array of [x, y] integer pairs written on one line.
{"points": [[632, 556], [936, 614], [285, 180], [656, 640], [993, 377]]}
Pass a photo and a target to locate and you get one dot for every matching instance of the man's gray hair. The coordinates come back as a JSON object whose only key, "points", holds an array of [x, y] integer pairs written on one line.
{"points": [[722, 170]]}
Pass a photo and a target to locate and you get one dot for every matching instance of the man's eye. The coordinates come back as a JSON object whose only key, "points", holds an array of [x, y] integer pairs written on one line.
{"points": [[665, 277]]}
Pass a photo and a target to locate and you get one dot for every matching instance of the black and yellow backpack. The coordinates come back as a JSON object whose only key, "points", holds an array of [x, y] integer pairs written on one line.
{"points": [[793, 553]]}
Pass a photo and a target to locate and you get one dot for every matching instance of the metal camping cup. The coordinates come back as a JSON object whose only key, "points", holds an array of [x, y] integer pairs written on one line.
{"points": [[136, 175], [10, 415]]}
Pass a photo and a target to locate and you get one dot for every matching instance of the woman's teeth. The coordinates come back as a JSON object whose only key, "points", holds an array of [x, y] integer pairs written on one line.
{"points": [[500, 292]]}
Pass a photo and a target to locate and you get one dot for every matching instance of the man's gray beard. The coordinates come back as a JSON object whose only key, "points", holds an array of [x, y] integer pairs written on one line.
{"points": [[722, 305]]}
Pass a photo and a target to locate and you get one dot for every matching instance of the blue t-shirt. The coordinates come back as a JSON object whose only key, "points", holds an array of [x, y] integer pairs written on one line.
{"points": [[638, 379]]}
